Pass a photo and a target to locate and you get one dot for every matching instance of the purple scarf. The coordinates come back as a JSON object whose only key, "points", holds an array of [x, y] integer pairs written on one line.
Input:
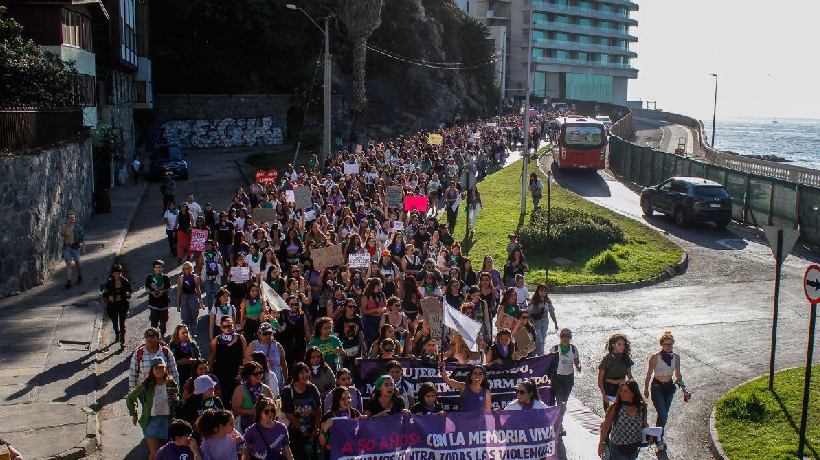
{"points": [[503, 350], [618, 356], [666, 357], [185, 347]]}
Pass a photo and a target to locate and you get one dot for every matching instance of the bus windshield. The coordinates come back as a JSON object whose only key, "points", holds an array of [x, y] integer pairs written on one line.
{"points": [[583, 136]]}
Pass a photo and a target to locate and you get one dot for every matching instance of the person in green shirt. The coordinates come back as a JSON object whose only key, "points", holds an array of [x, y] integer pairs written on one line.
{"points": [[326, 342]]}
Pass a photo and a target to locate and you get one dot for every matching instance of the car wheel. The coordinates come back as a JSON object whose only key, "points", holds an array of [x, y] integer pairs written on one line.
{"points": [[680, 217], [646, 205], [721, 224]]}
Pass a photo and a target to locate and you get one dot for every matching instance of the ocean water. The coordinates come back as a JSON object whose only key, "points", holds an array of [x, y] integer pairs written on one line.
{"points": [[796, 139]]}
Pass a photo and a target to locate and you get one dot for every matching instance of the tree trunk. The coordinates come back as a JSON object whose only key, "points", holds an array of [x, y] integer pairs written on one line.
{"points": [[359, 102]]}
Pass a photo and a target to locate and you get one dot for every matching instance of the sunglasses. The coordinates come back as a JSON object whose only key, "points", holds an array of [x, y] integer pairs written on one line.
{"points": [[269, 411], [522, 392], [268, 333], [566, 336], [258, 373], [151, 336]]}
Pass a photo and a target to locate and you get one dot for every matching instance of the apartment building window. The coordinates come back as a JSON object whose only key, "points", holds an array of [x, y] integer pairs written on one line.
{"points": [[539, 17], [589, 87], [140, 92], [539, 35], [561, 37], [560, 19], [86, 90], [76, 29]]}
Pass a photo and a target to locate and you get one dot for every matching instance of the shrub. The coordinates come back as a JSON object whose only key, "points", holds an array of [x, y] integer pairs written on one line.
{"points": [[605, 262], [742, 408], [571, 230]]}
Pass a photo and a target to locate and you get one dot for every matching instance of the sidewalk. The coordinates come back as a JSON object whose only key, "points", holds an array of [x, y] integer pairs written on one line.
{"points": [[50, 336]]}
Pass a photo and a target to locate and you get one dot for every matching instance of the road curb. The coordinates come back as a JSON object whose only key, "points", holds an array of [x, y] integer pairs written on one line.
{"points": [[242, 172]]}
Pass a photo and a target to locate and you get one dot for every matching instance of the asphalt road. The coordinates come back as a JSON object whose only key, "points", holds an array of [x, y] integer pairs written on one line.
{"points": [[720, 311]]}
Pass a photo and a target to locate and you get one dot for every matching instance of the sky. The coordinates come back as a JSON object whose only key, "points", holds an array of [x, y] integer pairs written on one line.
{"points": [[764, 53]]}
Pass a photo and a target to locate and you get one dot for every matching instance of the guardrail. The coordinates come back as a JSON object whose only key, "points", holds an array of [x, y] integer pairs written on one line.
{"points": [[38, 127]]}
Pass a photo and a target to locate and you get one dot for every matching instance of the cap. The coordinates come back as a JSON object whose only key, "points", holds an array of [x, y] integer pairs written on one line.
{"points": [[203, 383], [266, 327], [430, 261], [385, 252], [157, 360]]}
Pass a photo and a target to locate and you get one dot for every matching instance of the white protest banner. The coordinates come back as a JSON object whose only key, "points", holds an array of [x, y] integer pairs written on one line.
{"points": [[398, 225], [464, 326], [240, 274], [274, 300], [301, 197], [310, 215], [491, 125], [432, 313], [327, 257], [359, 260], [198, 238], [290, 197], [352, 168]]}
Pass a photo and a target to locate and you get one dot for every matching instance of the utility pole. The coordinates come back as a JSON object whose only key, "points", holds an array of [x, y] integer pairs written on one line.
{"points": [[714, 111], [526, 155], [503, 70], [327, 141]]}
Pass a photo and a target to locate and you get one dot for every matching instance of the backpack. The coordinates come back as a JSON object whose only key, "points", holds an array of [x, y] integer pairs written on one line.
{"points": [[165, 351], [211, 268]]}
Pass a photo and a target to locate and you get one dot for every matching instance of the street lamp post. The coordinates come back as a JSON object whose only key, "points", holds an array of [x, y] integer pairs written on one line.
{"points": [[714, 111], [327, 83], [526, 155]]}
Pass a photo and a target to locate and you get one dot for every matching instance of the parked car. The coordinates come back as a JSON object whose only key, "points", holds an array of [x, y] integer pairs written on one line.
{"points": [[168, 159], [689, 199]]}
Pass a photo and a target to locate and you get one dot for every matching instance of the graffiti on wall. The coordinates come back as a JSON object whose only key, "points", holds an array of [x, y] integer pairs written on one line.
{"points": [[225, 132]]}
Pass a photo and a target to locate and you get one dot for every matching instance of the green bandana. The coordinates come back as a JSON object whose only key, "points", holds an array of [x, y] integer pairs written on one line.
{"points": [[225, 309], [159, 281], [209, 255], [564, 349]]}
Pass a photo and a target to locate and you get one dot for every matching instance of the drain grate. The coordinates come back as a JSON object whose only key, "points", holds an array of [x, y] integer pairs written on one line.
{"points": [[73, 345]]}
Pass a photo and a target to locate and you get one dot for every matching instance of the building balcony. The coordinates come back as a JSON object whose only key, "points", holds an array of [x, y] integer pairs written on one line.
{"points": [[496, 17], [584, 30], [546, 64], [576, 46], [624, 3], [584, 12]]}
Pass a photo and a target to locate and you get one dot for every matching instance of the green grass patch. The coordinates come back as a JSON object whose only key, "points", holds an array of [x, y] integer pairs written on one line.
{"points": [[754, 423], [642, 254]]}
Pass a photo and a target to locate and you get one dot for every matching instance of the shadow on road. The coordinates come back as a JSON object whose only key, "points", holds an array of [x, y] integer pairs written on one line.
{"points": [[584, 182], [700, 233]]}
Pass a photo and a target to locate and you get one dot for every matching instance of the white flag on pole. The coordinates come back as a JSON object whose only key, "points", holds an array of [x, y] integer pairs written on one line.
{"points": [[464, 326], [274, 300]]}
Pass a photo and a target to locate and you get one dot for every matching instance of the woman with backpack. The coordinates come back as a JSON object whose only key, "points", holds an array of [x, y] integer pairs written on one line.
{"points": [[540, 305], [625, 420], [211, 273]]}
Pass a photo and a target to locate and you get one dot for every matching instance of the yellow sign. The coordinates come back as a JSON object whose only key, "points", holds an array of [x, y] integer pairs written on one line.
{"points": [[435, 139]]}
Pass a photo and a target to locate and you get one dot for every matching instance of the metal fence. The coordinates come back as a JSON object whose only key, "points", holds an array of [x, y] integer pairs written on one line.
{"points": [[758, 199], [33, 128]]}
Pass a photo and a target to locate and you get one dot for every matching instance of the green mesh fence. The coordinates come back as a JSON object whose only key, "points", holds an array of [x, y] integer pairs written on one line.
{"points": [[765, 201]]}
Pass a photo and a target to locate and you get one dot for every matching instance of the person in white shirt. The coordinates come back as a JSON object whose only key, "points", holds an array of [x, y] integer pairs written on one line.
{"points": [[526, 394], [170, 216], [194, 207], [568, 362]]}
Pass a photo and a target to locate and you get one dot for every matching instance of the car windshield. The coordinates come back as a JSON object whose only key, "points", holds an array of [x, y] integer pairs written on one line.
{"points": [[583, 136], [175, 153], [711, 191]]}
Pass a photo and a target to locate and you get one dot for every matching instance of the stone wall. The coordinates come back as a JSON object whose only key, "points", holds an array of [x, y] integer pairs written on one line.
{"points": [[36, 193]]}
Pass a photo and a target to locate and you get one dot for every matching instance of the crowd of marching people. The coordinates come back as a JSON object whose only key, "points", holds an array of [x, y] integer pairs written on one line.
{"points": [[286, 331]]}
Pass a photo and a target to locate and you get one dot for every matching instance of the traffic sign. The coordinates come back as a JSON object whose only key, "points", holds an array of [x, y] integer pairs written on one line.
{"points": [[811, 284], [786, 242]]}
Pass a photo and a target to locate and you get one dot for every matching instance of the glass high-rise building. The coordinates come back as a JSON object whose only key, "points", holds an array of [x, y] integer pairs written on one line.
{"points": [[580, 48]]}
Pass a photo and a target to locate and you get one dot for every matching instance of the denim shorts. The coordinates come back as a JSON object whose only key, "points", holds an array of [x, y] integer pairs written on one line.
{"points": [[70, 253], [157, 427]]}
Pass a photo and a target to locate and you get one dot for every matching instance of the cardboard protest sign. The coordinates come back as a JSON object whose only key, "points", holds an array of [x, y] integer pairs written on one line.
{"points": [[433, 312], [505, 321], [274, 300], [240, 274], [394, 196], [327, 257], [435, 139], [351, 168], [290, 197], [415, 203], [359, 260], [455, 204], [310, 215], [264, 215], [301, 197], [198, 238], [523, 343], [398, 225], [358, 148]]}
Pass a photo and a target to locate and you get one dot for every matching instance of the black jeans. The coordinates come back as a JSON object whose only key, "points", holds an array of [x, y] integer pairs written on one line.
{"points": [[452, 216], [117, 312], [159, 319], [172, 241]]}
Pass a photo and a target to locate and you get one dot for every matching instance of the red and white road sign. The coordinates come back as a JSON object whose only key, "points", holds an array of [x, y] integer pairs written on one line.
{"points": [[811, 284]]}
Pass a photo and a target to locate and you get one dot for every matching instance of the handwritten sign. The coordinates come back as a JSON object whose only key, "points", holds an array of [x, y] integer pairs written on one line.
{"points": [[290, 197], [505, 321], [433, 312], [261, 175], [240, 274], [435, 139], [415, 203], [394, 195], [327, 257], [523, 343], [264, 215], [310, 215], [351, 168], [398, 225], [272, 297], [301, 196], [198, 238], [359, 260]]}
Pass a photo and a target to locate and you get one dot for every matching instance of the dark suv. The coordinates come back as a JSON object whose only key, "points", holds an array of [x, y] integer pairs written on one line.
{"points": [[168, 159], [689, 199]]}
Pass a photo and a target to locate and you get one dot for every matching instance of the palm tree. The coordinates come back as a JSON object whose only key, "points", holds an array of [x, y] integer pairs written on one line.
{"points": [[362, 17]]}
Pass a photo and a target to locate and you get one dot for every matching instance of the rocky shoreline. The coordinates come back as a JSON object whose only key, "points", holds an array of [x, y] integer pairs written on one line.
{"points": [[772, 158]]}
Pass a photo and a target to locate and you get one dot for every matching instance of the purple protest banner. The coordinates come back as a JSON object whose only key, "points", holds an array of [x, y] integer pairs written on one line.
{"points": [[527, 434], [502, 380]]}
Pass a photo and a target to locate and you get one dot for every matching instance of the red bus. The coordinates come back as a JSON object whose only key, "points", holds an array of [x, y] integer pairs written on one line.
{"points": [[581, 143]]}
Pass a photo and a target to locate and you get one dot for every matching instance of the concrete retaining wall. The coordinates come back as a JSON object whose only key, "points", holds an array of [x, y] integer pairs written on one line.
{"points": [[36, 193]]}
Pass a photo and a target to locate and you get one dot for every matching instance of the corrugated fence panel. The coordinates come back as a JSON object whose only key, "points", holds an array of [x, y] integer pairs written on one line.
{"points": [[759, 195], [736, 186], [783, 204], [810, 213]]}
